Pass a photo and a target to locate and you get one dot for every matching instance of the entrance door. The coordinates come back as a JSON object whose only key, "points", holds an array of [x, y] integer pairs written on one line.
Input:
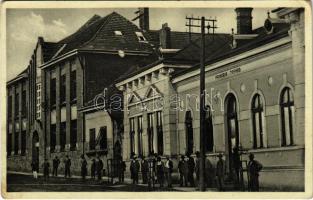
{"points": [[35, 148], [232, 130]]}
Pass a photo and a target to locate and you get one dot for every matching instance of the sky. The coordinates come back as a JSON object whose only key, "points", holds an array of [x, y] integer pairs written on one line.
{"points": [[24, 26]]}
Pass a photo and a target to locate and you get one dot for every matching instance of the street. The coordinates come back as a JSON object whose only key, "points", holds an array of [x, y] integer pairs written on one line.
{"points": [[26, 183]]}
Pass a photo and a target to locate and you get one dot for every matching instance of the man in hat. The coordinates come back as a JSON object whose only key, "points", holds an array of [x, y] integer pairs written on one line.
{"points": [[67, 163], [254, 167], [83, 167], [181, 170], [144, 170], [220, 172], [134, 169], [56, 162], [191, 169], [168, 171]]}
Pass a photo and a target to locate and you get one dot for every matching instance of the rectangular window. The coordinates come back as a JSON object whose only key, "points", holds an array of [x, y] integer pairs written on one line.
{"points": [[9, 146], [52, 92], [38, 105], [73, 136], [160, 132], [16, 141], [150, 133], [17, 104], [23, 147], [10, 108], [53, 137], [132, 135], [73, 85], [92, 139], [140, 141], [62, 135], [103, 138], [24, 103], [63, 88]]}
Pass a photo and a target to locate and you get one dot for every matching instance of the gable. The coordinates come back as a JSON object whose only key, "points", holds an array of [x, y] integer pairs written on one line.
{"points": [[153, 92], [134, 98]]}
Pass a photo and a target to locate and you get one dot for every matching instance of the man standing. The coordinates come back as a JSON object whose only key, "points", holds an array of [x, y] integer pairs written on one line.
{"points": [[191, 169], [83, 167], [67, 167], [56, 162], [144, 170], [35, 169], [46, 167], [197, 168], [99, 168], [160, 171], [122, 171], [93, 169], [181, 170], [254, 167], [134, 169], [168, 171], [220, 172]]}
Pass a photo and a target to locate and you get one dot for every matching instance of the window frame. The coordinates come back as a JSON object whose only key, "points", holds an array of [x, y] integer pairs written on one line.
{"points": [[289, 104], [259, 111]]}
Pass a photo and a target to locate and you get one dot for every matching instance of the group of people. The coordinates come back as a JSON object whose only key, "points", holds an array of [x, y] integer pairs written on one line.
{"points": [[96, 167], [161, 172], [158, 171]]}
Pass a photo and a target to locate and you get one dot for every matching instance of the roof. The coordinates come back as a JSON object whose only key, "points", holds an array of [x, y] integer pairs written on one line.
{"points": [[20, 76], [114, 103], [214, 44], [190, 54], [178, 39], [98, 34], [263, 38]]}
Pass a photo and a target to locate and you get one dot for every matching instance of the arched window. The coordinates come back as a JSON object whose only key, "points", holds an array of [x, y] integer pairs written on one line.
{"points": [[287, 116], [189, 132], [209, 141], [258, 122]]}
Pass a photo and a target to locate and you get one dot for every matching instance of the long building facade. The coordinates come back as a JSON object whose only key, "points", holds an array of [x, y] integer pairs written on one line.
{"points": [[254, 102], [53, 107]]}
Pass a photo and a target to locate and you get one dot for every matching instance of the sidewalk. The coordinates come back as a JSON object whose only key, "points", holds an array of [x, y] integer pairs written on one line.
{"points": [[105, 182]]}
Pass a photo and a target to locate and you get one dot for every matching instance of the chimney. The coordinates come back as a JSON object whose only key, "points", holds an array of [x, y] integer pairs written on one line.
{"points": [[244, 20], [144, 18], [165, 37]]}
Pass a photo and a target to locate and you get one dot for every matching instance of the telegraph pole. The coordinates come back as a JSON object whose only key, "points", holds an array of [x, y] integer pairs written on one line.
{"points": [[202, 93]]}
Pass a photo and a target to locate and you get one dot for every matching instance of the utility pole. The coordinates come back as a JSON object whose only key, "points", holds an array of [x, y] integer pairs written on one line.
{"points": [[202, 93]]}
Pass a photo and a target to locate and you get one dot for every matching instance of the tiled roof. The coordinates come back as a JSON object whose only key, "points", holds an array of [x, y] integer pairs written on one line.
{"points": [[178, 39], [49, 49], [214, 45], [98, 34], [262, 39]]}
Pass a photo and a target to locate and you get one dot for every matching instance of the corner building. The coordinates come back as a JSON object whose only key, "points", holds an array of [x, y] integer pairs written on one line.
{"points": [[255, 101]]}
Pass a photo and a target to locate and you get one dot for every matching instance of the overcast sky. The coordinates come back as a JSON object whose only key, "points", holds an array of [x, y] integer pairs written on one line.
{"points": [[25, 25]]}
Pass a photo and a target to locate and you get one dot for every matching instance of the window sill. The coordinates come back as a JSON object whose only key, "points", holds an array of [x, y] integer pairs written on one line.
{"points": [[273, 149]]}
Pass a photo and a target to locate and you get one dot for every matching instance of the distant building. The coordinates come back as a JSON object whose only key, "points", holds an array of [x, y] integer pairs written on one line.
{"points": [[255, 100]]}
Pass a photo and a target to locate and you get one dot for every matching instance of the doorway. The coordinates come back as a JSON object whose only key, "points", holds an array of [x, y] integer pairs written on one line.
{"points": [[35, 148]]}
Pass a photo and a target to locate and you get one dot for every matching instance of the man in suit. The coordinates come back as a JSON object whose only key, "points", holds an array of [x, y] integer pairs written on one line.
{"points": [[254, 167], [168, 171]]}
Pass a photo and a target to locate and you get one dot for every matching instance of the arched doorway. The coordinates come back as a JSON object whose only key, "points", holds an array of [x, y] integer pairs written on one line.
{"points": [[232, 132], [189, 132], [35, 148]]}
